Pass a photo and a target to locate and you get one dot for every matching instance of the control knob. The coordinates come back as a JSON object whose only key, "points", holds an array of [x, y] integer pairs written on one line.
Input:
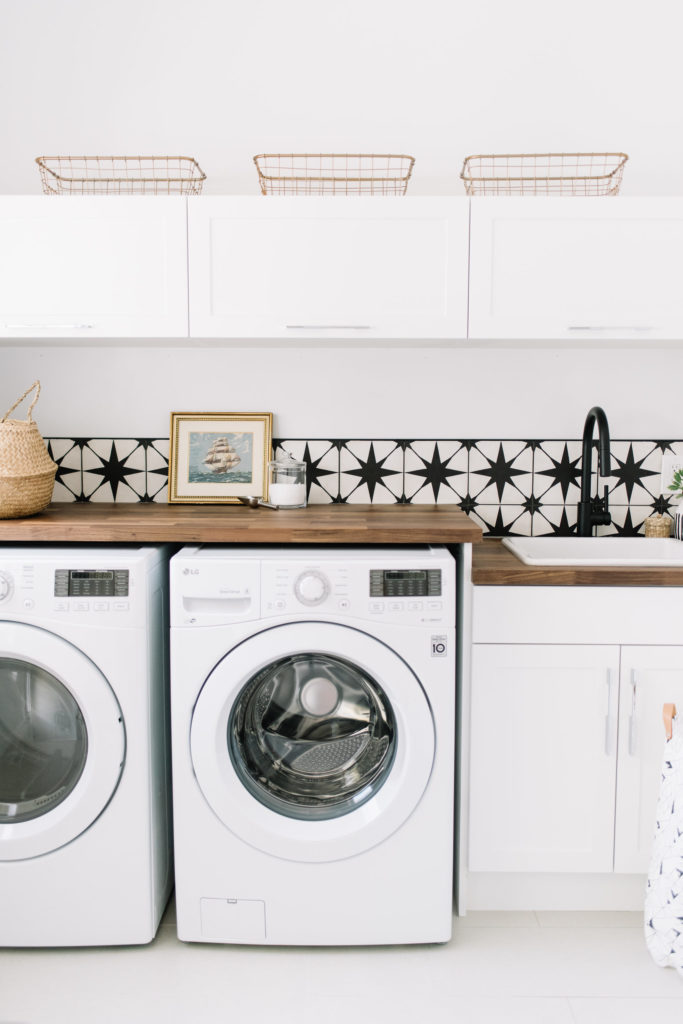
{"points": [[311, 588], [6, 586]]}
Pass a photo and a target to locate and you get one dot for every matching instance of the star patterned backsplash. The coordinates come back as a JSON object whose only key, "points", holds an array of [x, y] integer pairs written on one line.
{"points": [[506, 486]]}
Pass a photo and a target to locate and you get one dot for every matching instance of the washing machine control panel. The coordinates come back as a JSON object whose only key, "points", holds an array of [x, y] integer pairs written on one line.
{"points": [[415, 594]]}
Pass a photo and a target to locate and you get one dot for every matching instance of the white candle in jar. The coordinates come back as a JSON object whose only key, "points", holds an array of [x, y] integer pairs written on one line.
{"points": [[288, 495]]}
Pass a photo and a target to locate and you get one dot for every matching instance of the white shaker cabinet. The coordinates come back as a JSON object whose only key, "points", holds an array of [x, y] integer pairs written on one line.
{"points": [[566, 739], [650, 678], [93, 266], [328, 267], [576, 268], [543, 757]]}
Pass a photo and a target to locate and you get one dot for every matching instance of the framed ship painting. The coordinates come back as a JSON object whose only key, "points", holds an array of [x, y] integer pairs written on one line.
{"points": [[215, 457]]}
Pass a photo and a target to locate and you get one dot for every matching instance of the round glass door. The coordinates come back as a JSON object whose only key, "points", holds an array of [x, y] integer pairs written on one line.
{"points": [[62, 741], [312, 736], [43, 741], [312, 741]]}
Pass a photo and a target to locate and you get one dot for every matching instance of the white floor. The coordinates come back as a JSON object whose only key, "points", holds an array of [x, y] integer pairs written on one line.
{"points": [[535, 968]]}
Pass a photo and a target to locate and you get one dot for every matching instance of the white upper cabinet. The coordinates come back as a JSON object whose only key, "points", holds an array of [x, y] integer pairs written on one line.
{"points": [[544, 268], [328, 267], [86, 266]]}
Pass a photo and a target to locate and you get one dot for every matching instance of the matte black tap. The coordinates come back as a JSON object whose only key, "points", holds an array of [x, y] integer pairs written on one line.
{"points": [[594, 511]]}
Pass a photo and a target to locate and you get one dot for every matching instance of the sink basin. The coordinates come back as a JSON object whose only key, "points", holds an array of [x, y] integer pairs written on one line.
{"points": [[661, 551]]}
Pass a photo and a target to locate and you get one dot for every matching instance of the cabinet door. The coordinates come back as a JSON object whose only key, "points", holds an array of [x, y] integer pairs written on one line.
{"points": [[543, 757], [336, 267], [87, 266], [650, 678], [576, 268]]}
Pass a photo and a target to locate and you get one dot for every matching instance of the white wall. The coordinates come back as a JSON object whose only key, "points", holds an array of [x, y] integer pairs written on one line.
{"points": [[436, 78]]}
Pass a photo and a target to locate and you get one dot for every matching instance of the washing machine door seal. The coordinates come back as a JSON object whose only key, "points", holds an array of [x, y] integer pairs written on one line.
{"points": [[364, 821], [62, 741]]}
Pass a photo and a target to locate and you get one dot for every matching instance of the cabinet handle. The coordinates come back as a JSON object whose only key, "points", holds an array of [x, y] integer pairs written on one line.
{"points": [[609, 718], [48, 327], [608, 327], [328, 327], [632, 734]]}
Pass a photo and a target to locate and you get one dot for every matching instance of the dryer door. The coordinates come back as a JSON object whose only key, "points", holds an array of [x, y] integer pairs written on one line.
{"points": [[312, 741], [62, 742]]}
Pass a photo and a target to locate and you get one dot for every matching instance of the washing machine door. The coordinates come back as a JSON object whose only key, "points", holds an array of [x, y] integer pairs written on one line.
{"points": [[312, 741], [62, 741]]}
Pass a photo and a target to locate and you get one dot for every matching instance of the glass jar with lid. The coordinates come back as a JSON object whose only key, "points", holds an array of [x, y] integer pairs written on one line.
{"points": [[287, 481]]}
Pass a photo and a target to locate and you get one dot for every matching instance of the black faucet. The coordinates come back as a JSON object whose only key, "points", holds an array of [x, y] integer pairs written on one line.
{"points": [[593, 511]]}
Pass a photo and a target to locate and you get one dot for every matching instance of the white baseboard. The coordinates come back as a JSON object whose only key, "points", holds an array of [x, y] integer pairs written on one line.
{"points": [[516, 891]]}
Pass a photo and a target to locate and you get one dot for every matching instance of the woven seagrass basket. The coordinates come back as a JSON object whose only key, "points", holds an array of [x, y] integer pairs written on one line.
{"points": [[27, 473]]}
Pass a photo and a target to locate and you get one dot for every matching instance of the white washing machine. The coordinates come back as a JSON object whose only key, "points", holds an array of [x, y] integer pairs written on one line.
{"points": [[313, 723], [85, 845]]}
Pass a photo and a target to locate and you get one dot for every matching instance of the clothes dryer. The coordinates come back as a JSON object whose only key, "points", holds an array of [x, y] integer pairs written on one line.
{"points": [[313, 725], [85, 850]]}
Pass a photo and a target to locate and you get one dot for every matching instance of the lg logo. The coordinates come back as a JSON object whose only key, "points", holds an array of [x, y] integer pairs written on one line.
{"points": [[439, 647], [190, 572]]}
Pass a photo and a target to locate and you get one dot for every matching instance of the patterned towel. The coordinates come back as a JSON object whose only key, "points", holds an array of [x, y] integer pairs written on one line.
{"points": [[664, 896]]}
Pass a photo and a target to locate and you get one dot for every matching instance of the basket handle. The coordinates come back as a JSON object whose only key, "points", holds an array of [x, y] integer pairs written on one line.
{"points": [[36, 384]]}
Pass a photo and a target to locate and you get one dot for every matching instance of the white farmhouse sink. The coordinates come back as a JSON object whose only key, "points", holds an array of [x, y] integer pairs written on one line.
{"points": [[596, 550]]}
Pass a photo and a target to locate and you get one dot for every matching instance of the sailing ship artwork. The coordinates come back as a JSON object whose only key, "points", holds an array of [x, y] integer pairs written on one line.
{"points": [[221, 457]]}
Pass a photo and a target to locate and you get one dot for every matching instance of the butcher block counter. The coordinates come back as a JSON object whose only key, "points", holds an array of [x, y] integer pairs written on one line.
{"points": [[494, 565], [118, 522]]}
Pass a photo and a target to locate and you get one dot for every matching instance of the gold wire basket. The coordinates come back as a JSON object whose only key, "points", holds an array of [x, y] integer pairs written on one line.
{"points": [[120, 175], [551, 174], [373, 174]]}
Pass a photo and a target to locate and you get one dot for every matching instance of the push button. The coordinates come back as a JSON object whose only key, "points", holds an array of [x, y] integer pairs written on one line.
{"points": [[376, 606]]}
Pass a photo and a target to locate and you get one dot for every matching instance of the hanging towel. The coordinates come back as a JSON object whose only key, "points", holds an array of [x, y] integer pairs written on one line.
{"points": [[664, 895]]}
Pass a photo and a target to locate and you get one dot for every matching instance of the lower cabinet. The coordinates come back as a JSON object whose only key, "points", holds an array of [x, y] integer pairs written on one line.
{"points": [[566, 743]]}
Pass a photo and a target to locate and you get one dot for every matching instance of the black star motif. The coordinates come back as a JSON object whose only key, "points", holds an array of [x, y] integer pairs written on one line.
{"points": [[468, 504], [531, 504], [630, 472], [501, 472], [436, 471], [113, 471], [662, 504], [563, 473], [372, 472]]}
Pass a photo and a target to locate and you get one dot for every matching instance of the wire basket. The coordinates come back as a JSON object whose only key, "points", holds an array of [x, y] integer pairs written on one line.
{"points": [[551, 174], [120, 175], [309, 174]]}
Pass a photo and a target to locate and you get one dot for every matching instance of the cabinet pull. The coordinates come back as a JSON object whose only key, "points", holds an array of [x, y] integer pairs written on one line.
{"points": [[608, 327], [609, 718], [48, 327], [328, 327], [632, 734]]}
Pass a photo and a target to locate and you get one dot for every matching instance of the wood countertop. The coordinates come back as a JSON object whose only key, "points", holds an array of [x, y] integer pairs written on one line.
{"points": [[119, 522], [494, 565]]}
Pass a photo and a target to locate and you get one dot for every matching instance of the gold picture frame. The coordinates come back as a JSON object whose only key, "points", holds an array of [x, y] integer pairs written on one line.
{"points": [[217, 456]]}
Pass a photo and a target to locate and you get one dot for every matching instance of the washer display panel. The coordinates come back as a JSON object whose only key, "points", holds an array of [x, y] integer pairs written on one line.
{"points": [[43, 741], [312, 736], [312, 741]]}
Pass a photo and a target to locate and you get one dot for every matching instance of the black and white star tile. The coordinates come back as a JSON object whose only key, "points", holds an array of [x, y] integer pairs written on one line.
{"points": [[371, 471], [507, 486], [435, 471]]}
